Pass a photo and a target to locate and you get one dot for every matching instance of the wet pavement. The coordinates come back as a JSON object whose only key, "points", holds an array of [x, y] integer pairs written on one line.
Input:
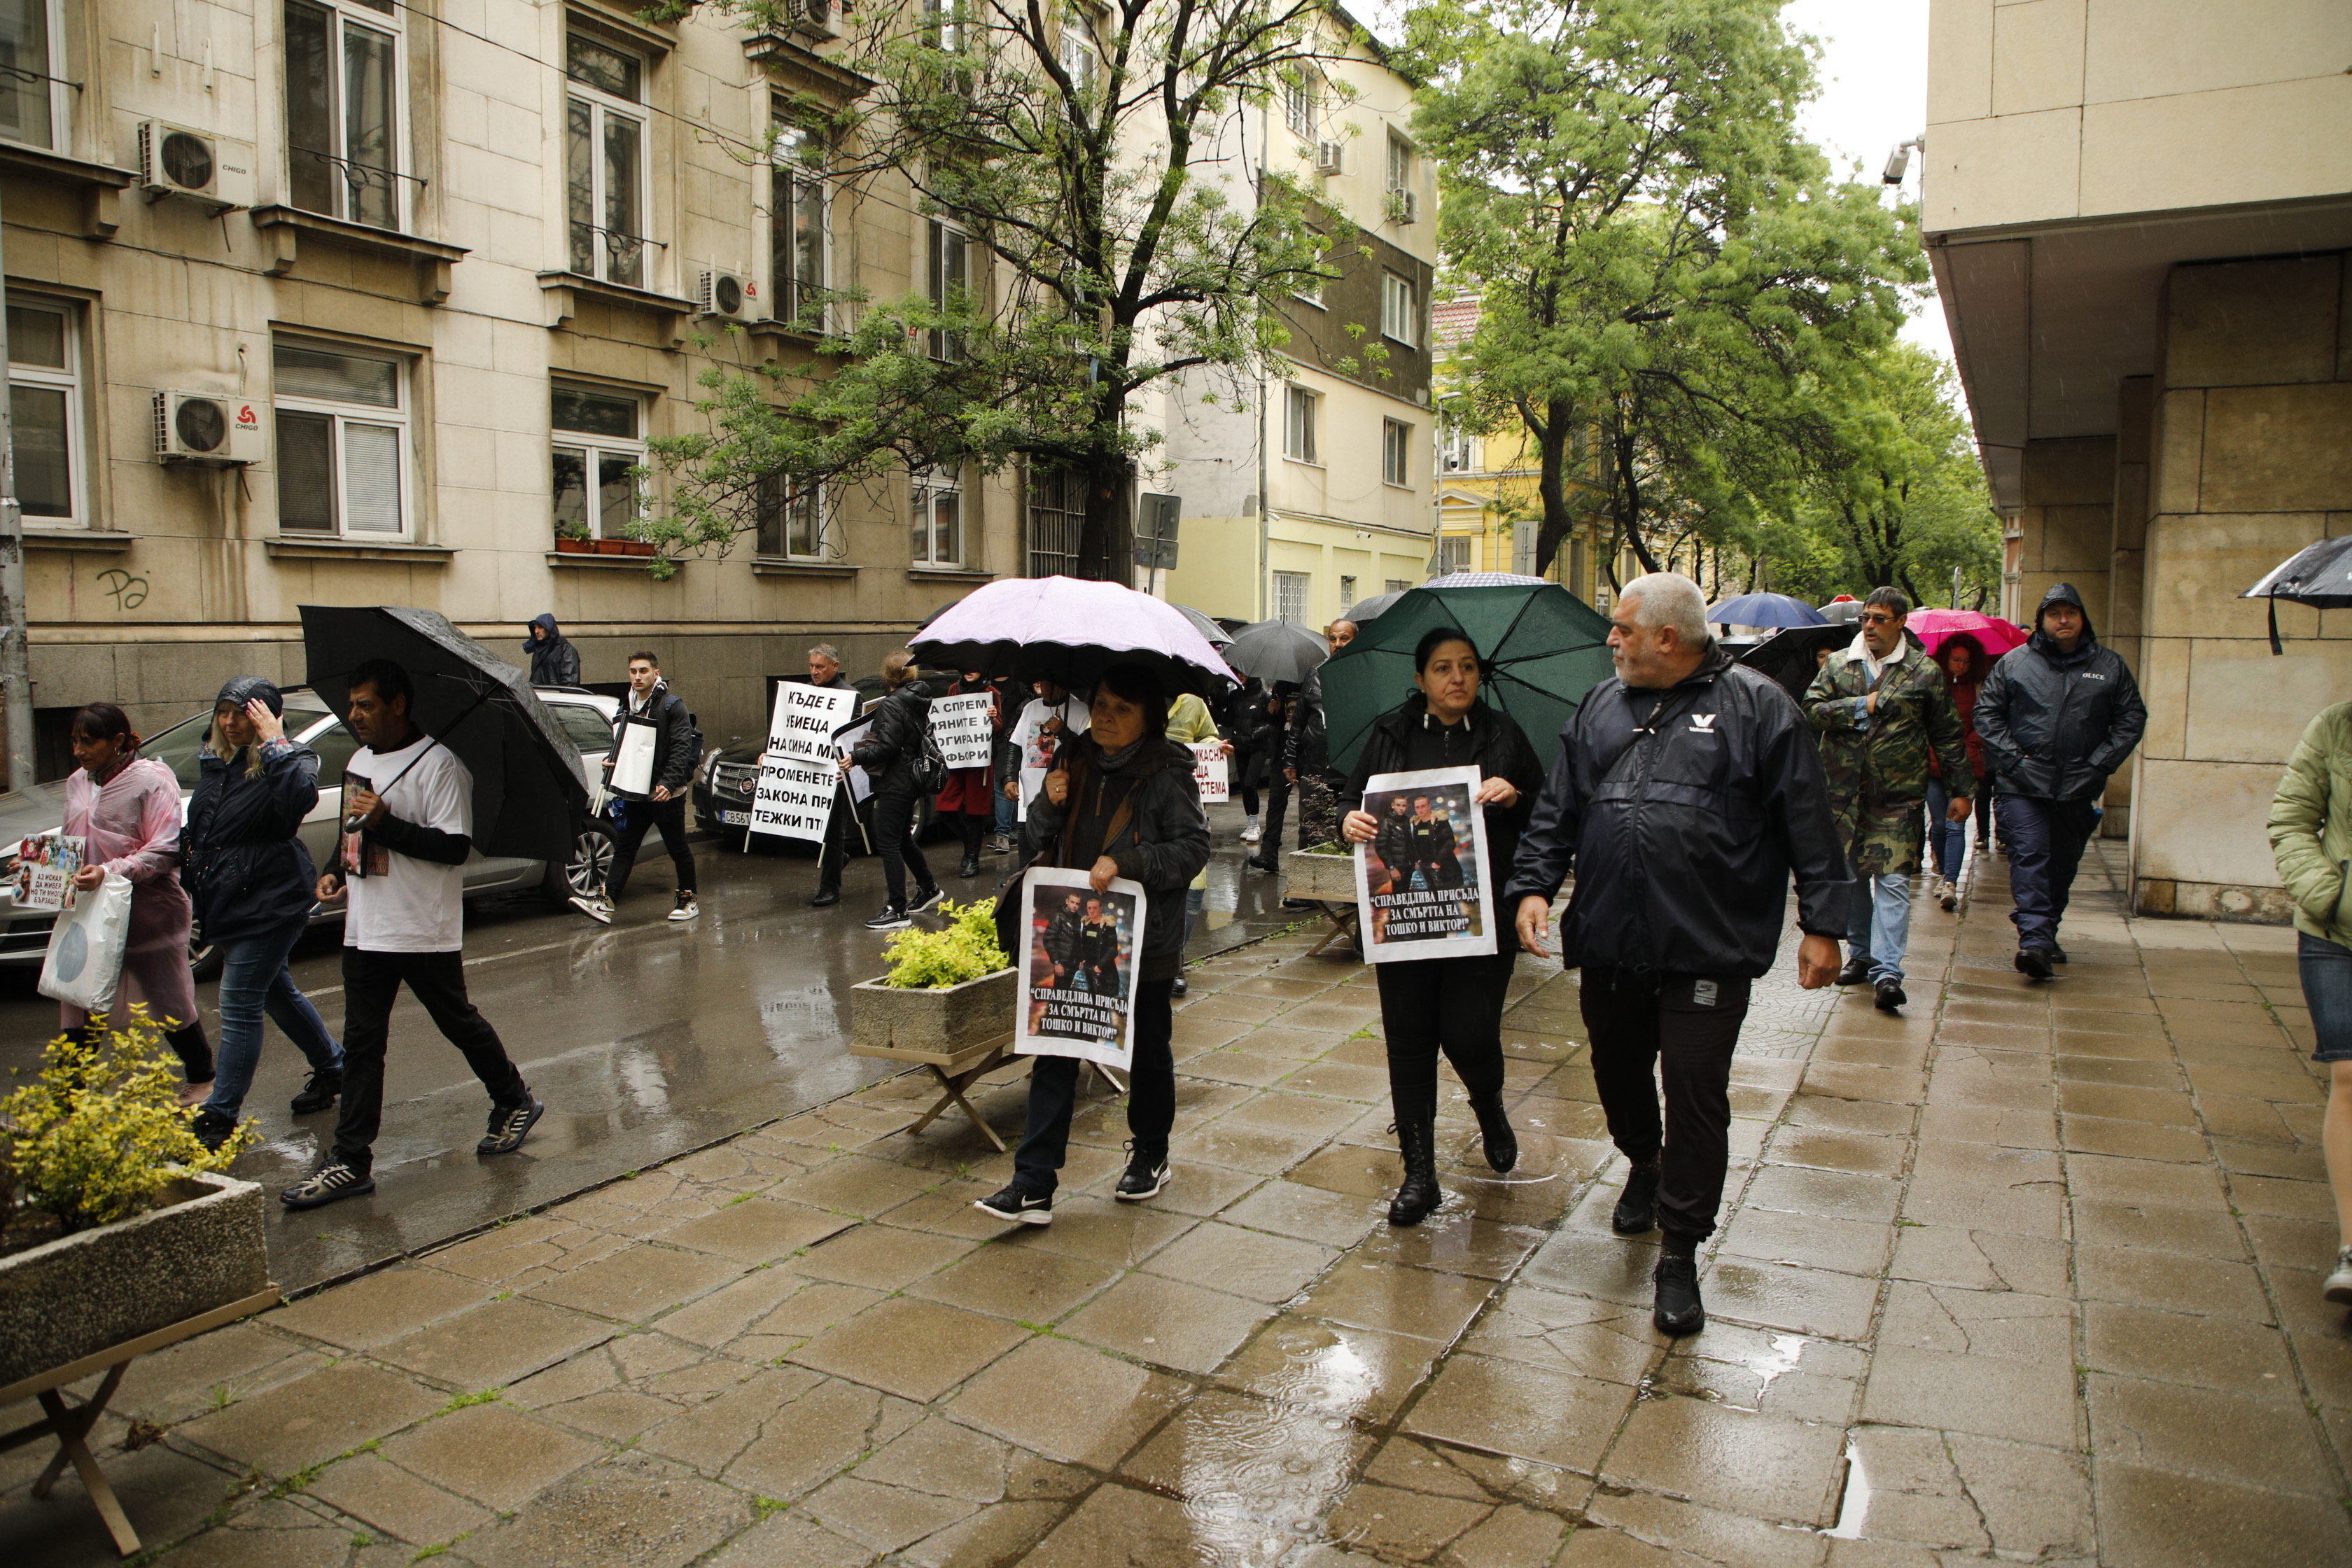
{"points": [[2029, 1275], [644, 1039]]}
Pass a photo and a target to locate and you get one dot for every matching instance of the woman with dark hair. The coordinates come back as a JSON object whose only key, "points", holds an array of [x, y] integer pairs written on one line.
{"points": [[128, 808], [891, 754], [1449, 1005], [1118, 802], [1964, 665], [254, 888]]}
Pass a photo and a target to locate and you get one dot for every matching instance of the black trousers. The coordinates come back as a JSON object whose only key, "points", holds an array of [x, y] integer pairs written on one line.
{"points": [[1277, 808], [1150, 1095], [372, 981], [1680, 1028], [1449, 1005], [1248, 763], [669, 816], [188, 1043], [840, 833], [894, 840], [2046, 840]]}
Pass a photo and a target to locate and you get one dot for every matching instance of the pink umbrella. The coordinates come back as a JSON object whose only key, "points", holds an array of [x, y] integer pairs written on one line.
{"points": [[1995, 635]]}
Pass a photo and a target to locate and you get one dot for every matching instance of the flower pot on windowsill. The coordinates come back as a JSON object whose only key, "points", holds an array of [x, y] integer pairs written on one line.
{"points": [[636, 546], [568, 546], [611, 546]]}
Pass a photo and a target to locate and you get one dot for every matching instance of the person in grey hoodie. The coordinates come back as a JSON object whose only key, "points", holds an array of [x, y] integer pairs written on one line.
{"points": [[553, 661]]}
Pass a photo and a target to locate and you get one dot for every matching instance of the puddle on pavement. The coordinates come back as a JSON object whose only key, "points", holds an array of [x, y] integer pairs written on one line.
{"points": [[1259, 1478], [1854, 1506]]}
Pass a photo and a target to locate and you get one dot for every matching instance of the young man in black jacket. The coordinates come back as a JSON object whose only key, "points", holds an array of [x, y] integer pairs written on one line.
{"points": [[1687, 792], [674, 758], [408, 810], [891, 755]]}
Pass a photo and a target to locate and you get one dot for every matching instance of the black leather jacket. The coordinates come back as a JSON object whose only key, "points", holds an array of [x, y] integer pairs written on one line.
{"points": [[1163, 846], [891, 746], [1401, 742], [674, 747]]}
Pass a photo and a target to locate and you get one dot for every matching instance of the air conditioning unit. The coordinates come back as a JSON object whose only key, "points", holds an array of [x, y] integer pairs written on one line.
{"points": [[725, 297], [204, 428], [1328, 157], [821, 19], [174, 160]]}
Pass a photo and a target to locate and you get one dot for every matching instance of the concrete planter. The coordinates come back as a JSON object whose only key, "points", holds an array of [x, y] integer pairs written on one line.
{"points": [[1327, 878], [86, 1292], [917, 1024]]}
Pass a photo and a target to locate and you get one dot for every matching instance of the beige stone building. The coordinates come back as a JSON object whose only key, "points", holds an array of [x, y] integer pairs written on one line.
{"points": [[2139, 212], [364, 300]]}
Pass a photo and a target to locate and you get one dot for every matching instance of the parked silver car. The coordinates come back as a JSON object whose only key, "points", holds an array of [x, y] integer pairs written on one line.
{"points": [[586, 718]]}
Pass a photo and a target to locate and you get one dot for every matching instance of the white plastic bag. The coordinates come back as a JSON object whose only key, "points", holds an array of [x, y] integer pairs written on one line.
{"points": [[85, 961]]}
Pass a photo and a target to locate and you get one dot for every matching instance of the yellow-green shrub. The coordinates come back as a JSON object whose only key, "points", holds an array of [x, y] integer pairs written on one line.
{"points": [[93, 1138], [933, 960]]}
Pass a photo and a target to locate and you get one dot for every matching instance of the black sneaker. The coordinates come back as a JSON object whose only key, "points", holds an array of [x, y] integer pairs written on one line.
{"points": [[1890, 995], [508, 1126], [1678, 1311], [212, 1129], [331, 1183], [1013, 1204], [1637, 1206], [924, 902], [826, 899], [325, 1087], [1855, 973], [1181, 987], [969, 867], [892, 918], [1144, 1176], [2034, 962]]}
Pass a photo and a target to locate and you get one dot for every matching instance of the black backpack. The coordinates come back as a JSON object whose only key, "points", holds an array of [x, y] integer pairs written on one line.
{"points": [[931, 763]]}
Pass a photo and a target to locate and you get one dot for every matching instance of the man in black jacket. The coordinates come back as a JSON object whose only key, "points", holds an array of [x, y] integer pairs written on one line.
{"points": [[553, 661], [1065, 931], [2056, 716], [673, 758], [841, 828], [1687, 792], [891, 754]]}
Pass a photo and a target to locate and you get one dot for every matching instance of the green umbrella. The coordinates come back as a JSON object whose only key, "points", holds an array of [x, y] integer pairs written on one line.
{"points": [[1543, 648]]}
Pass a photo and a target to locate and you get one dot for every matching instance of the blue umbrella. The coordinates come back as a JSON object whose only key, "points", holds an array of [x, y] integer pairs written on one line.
{"points": [[1764, 610]]}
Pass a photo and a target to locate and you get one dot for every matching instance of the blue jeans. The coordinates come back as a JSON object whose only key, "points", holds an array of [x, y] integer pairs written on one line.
{"points": [[1005, 822], [1878, 926], [2326, 972], [255, 980], [1947, 841]]}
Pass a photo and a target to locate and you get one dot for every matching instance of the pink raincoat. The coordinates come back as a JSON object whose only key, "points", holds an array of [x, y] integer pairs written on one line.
{"points": [[132, 823]]}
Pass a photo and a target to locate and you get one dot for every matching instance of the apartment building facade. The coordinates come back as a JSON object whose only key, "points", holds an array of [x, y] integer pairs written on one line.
{"points": [[380, 300]]}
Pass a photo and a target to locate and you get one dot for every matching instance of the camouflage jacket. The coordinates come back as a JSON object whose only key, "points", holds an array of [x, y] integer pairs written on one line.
{"points": [[1877, 762]]}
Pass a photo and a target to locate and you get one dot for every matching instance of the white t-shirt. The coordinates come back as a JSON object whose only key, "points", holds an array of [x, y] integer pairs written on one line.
{"points": [[415, 906], [1033, 750]]}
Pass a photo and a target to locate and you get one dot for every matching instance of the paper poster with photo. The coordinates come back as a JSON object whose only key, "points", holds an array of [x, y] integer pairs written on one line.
{"points": [[633, 758], [1038, 737], [962, 727], [1079, 971], [44, 869], [799, 770], [1209, 772], [861, 783], [1421, 887]]}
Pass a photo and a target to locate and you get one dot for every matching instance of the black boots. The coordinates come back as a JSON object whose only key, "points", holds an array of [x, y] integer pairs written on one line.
{"points": [[1676, 1309], [1416, 1131], [1495, 1131], [1637, 1207]]}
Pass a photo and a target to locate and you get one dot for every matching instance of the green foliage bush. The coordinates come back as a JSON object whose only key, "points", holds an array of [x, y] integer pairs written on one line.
{"points": [[934, 960]]}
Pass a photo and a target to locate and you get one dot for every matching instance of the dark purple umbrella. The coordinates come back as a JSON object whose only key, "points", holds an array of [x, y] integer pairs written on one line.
{"points": [[1067, 631]]}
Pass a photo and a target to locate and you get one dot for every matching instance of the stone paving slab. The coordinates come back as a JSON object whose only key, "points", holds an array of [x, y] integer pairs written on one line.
{"points": [[2028, 1274]]}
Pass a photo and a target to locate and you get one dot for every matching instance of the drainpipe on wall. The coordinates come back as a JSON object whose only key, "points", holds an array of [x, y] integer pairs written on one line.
{"points": [[16, 678]]}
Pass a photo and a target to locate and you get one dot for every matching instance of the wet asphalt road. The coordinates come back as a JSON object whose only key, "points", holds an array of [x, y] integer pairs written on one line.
{"points": [[644, 1039]]}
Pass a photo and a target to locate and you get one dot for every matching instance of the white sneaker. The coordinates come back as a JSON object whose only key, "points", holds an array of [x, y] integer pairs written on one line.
{"points": [[1253, 832], [1950, 895], [686, 908], [2337, 1287], [596, 909]]}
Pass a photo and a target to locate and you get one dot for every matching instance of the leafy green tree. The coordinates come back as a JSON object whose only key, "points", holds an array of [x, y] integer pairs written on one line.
{"points": [[1093, 159], [1662, 261]]}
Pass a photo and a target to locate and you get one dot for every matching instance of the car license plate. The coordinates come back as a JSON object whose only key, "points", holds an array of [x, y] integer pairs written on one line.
{"points": [[735, 818]]}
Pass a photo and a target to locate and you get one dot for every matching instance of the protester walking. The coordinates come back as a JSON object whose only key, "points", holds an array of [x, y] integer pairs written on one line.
{"points": [[892, 755], [1278, 704], [1012, 697], [1250, 727], [1887, 720], [1190, 724], [408, 823], [1961, 658], [676, 749], [1449, 1005], [253, 887], [2057, 717], [969, 799], [1685, 794], [2311, 835], [1047, 721], [841, 827], [553, 661], [1120, 801], [126, 809], [1307, 754]]}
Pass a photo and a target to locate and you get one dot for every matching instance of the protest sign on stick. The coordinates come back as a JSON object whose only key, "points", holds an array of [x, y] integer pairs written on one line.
{"points": [[1422, 887], [1209, 772], [1079, 967], [799, 770], [960, 726]]}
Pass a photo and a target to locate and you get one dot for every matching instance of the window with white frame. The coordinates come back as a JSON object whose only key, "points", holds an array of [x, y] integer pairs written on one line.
{"points": [[1308, 286], [343, 135], [1396, 452], [939, 517], [1300, 111], [1400, 170], [1459, 450], [1081, 56], [790, 519], [1395, 586], [1456, 552], [1290, 597], [1347, 594], [45, 402], [599, 442], [1400, 319], [35, 107], [796, 228], [342, 440], [604, 164], [946, 272], [1298, 423]]}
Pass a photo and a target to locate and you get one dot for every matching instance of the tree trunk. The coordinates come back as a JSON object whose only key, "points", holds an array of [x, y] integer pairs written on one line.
{"points": [[1552, 485], [1106, 540]]}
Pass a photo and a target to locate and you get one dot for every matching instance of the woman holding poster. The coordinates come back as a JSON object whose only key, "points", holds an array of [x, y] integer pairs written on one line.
{"points": [[1432, 845], [1119, 804]]}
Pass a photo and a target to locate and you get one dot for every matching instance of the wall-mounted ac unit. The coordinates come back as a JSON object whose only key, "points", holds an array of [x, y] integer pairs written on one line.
{"points": [[820, 18], [205, 427], [1330, 157], [174, 160], [726, 297]]}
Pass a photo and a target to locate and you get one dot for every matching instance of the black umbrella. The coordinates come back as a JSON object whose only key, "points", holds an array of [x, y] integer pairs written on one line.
{"points": [[1276, 652], [1364, 612], [2319, 575], [1792, 654], [529, 785], [1215, 635]]}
